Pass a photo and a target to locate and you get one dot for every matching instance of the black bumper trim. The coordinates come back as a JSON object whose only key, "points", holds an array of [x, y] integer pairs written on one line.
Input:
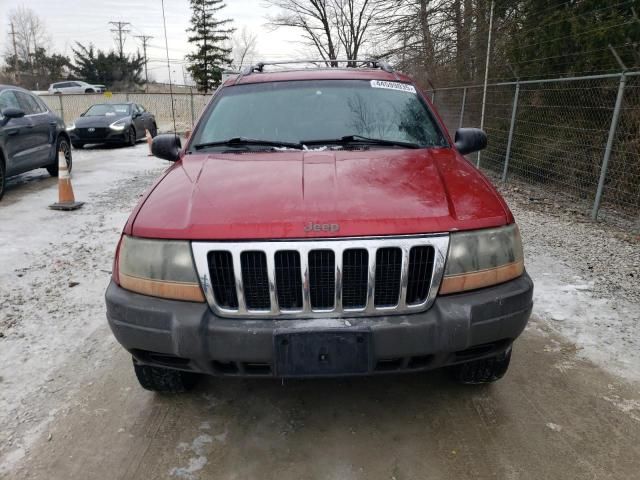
{"points": [[145, 326]]}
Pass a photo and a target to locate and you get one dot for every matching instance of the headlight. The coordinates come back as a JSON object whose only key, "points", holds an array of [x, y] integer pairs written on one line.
{"points": [[482, 258], [71, 127], [118, 125], [159, 268]]}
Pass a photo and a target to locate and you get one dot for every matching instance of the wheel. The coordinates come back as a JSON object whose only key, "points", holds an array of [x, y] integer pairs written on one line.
{"points": [[3, 179], [131, 138], [89, 90], [154, 131], [77, 145], [487, 370], [164, 380], [61, 146]]}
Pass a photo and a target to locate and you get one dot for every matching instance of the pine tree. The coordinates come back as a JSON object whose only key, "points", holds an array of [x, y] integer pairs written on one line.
{"points": [[210, 38]]}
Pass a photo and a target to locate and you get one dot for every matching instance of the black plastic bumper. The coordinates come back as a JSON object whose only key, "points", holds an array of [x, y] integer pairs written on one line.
{"points": [[188, 336], [110, 137]]}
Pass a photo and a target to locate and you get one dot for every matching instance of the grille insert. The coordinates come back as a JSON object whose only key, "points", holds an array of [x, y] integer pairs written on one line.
{"points": [[255, 280], [223, 280], [419, 279], [322, 279], [288, 280], [355, 278], [388, 267]]}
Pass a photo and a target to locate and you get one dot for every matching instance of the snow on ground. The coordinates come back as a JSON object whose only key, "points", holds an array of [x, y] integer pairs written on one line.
{"points": [[586, 279], [54, 269]]}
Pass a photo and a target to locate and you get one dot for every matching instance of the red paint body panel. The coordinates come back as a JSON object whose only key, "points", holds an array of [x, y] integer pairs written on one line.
{"points": [[376, 192], [274, 195]]}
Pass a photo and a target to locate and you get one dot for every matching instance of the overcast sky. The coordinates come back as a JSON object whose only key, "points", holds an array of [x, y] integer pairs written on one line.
{"points": [[86, 21]]}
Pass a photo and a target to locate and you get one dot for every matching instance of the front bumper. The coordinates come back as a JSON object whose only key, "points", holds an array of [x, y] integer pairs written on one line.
{"points": [[188, 336], [109, 136]]}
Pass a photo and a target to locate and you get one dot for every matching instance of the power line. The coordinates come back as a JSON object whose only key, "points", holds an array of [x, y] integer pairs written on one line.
{"points": [[145, 40], [121, 30], [15, 54]]}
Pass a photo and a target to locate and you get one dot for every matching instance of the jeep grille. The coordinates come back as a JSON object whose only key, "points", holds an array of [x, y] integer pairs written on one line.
{"points": [[321, 278]]}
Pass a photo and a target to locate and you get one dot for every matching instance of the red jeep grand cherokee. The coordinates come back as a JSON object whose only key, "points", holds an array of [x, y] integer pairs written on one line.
{"points": [[319, 222]]}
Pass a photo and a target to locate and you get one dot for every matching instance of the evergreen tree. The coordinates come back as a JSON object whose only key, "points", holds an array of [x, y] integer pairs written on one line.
{"points": [[97, 66], [211, 38]]}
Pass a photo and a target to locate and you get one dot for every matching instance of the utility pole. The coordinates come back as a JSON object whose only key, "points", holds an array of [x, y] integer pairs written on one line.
{"points": [[121, 30], [486, 75], [15, 55], [145, 41]]}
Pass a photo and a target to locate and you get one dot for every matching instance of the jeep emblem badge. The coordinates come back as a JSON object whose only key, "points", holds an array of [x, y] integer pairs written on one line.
{"points": [[321, 227]]}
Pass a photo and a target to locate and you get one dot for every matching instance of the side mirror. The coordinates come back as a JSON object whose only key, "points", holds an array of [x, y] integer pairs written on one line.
{"points": [[167, 147], [9, 113], [469, 140], [136, 115]]}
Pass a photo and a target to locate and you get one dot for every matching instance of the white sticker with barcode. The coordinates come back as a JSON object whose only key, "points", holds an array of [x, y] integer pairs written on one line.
{"points": [[403, 87]]}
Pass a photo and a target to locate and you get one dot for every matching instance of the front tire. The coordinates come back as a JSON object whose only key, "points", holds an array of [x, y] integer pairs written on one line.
{"points": [[486, 370], [62, 145], [131, 139], [164, 380]]}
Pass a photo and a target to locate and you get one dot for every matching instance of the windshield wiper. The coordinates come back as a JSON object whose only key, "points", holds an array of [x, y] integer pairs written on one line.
{"points": [[242, 142], [361, 140]]}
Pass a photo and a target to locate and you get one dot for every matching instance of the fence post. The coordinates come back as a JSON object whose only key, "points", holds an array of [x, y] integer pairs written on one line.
{"points": [[193, 113], [514, 109], [464, 102], [61, 108], [607, 151]]}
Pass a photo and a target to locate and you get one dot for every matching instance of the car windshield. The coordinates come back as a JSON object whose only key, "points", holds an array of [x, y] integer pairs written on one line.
{"points": [[107, 110], [312, 111]]}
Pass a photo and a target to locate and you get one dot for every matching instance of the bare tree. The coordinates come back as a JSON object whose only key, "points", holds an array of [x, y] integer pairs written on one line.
{"points": [[244, 47], [29, 33], [332, 27]]}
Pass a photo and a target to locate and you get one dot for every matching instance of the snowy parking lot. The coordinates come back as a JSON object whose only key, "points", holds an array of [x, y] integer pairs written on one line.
{"points": [[70, 406]]}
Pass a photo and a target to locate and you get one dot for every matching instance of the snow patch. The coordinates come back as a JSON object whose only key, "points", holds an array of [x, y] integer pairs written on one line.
{"points": [[555, 427], [630, 407]]}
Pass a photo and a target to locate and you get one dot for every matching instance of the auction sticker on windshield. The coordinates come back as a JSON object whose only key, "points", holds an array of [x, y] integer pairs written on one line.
{"points": [[403, 87]]}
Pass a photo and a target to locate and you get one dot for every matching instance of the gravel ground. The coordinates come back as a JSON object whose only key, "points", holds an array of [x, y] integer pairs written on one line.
{"points": [[606, 255]]}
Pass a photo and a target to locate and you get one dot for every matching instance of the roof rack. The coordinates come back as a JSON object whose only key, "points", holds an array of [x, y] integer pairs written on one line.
{"points": [[372, 63]]}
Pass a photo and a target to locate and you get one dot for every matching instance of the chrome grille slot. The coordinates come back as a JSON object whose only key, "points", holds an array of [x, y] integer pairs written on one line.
{"points": [[288, 280], [223, 280], [420, 267], [330, 278], [322, 279], [255, 280], [388, 268], [355, 277]]}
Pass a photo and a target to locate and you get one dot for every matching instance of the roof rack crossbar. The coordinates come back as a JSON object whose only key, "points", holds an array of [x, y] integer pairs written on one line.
{"points": [[373, 63]]}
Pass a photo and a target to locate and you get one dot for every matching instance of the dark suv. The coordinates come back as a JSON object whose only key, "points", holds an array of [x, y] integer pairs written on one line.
{"points": [[30, 135]]}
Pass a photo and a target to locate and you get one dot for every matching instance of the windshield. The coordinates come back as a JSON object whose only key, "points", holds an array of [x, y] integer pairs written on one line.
{"points": [[107, 110], [298, 111]]}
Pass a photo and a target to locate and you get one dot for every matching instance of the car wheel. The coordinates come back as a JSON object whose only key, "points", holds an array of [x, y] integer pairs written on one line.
{"points": [[154, 131], [3, 179], [89, 90], [131, 140], [77, 145], [487, 370], [62, 147], [164, 380]]}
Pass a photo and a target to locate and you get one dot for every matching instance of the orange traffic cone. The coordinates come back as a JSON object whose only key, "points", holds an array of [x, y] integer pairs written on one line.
{"points": [[149, 139], [66, 200]]}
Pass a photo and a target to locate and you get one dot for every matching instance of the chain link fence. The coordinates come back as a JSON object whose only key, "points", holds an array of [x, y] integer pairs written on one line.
{"points": [[188, 106], [574, 138]]}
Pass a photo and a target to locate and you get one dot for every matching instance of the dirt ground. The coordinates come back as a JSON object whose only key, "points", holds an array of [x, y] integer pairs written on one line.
{"points": [[70, 407]]}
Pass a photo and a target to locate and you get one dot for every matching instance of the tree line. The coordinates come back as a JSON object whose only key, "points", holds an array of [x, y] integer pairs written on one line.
{"points": [[439, 42]]}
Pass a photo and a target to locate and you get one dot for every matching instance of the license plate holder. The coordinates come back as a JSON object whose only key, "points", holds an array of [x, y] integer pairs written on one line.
{"points": [[326, 353]]}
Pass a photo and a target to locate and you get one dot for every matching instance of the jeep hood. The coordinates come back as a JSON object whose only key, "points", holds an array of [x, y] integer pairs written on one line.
{"points": [[275, 195]]}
